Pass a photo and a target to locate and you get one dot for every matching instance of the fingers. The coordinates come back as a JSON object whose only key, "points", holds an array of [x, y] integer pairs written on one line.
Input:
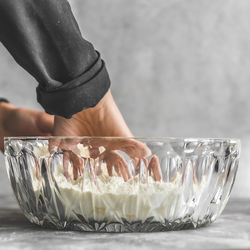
{"points": [[133, 148], [70, 144], [154, 166], [120, 165], [136, 162], [110, 168], [99, 169], [77, 164], [54, 144], [94, 144], [124, 171], [66, 161], [70, 155], [37, 166]]}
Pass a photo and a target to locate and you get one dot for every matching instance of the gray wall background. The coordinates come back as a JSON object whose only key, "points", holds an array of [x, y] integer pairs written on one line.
{"points": [[178, 68]]}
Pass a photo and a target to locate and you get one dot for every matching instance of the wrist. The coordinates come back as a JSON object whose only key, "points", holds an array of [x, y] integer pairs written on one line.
{"points": [[98, 112]]}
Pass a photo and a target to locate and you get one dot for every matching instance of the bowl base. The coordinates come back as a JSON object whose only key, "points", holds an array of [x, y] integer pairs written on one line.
{"points": [[125, 226]]}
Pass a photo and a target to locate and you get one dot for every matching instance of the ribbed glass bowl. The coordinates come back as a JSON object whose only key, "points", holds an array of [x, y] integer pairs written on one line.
{"points": [[110, 184]]}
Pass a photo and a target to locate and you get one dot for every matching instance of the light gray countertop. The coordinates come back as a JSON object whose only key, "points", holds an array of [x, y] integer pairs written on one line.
{"points": [[230, 231]]}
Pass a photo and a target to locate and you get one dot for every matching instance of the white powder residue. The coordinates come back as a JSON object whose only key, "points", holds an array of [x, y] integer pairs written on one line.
{"points": [[110, 198]]}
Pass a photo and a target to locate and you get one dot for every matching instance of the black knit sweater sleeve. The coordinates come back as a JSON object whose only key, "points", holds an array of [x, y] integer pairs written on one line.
{"points": [[44, 38]]}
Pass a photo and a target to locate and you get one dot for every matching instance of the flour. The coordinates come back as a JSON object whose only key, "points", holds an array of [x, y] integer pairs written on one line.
{"points": [[110, 198]]}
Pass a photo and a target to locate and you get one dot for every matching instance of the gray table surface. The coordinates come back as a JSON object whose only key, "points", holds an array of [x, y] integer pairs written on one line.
{"points": [[230, 231]]}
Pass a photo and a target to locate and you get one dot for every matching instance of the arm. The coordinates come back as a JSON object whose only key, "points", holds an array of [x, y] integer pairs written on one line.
{"points": [[15, 121], [44, 38]]}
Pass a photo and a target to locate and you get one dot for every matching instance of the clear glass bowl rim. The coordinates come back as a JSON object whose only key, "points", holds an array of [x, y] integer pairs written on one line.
{"points": [[145, 138]]}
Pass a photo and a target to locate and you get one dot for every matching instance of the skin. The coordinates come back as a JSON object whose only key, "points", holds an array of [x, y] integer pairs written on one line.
{"points": [[104, 119], [154, 166], [15, 121]]}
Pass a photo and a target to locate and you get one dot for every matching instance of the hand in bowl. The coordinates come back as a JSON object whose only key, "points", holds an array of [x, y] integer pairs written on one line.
{"points": [[100, 149], [104, 119]]}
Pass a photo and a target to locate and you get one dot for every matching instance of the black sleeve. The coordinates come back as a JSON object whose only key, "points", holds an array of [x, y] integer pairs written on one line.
{"points": [[44, 38]]}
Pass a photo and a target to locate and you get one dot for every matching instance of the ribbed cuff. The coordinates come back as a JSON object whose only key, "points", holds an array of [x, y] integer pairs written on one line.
{"points": [[84, 92]]}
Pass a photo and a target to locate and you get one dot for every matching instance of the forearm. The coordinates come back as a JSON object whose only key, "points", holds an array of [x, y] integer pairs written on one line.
{"points": [[5, 112], [44, 38]]}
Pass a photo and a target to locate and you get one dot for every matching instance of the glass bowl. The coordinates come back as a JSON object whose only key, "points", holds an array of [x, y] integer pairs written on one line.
{"points": [[115, 184]]}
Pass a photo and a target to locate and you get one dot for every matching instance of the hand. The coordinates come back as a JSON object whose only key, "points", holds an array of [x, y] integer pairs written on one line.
{"points": [[23, 122], [104, 119]]}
